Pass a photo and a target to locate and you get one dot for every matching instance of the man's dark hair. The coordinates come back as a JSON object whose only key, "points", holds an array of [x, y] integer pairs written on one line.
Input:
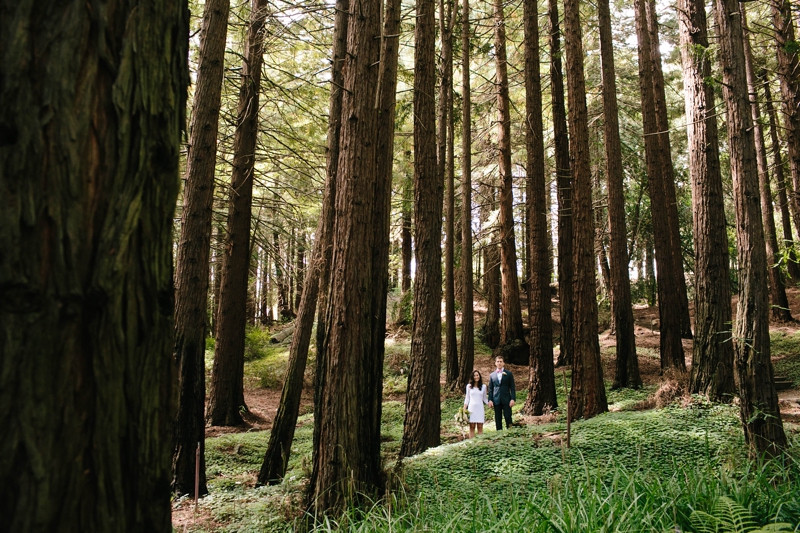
{"points": [[496, 357]]}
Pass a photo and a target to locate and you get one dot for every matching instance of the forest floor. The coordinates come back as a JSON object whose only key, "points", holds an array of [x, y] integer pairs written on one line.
{"points": [[262, 403]]}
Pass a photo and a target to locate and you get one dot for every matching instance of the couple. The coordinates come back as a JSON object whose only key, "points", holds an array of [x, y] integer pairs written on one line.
{"points": [[501, 396]]}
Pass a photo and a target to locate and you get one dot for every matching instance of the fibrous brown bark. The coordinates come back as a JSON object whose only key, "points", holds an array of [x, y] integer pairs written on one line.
{"points": [[627, 364], [712, 354], [423, 411], [93, 104], [407, 252], [587, 396], [466, 358], [490, 329], [760, 415], [784, 204], [512, 338], [541, 377], [668, 292], [779, 302], [192, 269], [564, 185], [226, 399]]}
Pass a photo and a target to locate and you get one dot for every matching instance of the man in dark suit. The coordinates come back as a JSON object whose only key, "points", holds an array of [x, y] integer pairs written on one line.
{"points": [[502, 393]]}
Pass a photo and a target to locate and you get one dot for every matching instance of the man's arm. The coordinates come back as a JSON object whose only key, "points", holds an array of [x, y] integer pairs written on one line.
{"points": [[491, 391]]}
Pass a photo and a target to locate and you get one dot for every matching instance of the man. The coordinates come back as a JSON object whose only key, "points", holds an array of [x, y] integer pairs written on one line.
{"points": [[502, 393]]}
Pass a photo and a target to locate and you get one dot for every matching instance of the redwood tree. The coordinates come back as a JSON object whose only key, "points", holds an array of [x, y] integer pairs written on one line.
{"points": [[423, 411], [587, 396], [758, 400], [90, 131]]}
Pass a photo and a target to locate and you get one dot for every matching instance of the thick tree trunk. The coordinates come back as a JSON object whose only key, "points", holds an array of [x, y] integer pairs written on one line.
{"points": [[541, 377], [760, 414], [668, 173], [423, 412], [466, 358], [192, 275], [93, 104], [779, 302], [490, 330], [407, 252], [712, 355], [564, 185], [668, 293], [627, 364], [447, 175], [587, 396], [512, 337], [785, 206], [226, 399]]}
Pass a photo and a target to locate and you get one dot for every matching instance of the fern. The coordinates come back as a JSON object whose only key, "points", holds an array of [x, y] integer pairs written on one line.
{"points": [[727, 516]]}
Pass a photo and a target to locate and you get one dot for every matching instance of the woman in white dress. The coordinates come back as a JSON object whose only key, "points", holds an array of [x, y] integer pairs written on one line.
{"points": [[474, 402]]}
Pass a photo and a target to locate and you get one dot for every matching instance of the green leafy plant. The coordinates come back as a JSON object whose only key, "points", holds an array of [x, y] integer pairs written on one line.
{"points": [[727, 516]]}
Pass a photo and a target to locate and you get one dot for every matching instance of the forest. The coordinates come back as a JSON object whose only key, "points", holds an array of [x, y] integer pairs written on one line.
{"points": [[253, 255]]}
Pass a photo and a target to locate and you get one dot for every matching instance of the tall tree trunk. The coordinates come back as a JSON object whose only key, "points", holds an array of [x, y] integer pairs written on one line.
{"points": [[407, 251], [192, 268], [266, 289], [712, 354], [466, 358], [668, 173], [512, 338], [668, 293], [279, 447], [627, 364], [564, 185], [447, 175], [93, 107], [789, 75], [423, 412], [541, 377], [300, 268], [490, 329], [760, 415], [345, 441], [792, 265], [226, 399], [587, 396], [779, 302]]}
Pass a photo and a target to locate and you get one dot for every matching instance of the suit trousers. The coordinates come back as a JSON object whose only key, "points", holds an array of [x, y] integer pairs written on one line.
{"points": [[500, 412]]}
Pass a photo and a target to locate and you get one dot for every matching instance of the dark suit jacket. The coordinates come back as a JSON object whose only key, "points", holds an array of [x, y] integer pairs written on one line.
{"points": [[504, 391]]}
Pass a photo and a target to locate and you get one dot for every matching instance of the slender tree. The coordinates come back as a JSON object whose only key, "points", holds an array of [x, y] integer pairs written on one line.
{"points": [[627, 365], [779, 302], [512, 338], [712, 354], [87, 390], [587, 396], [564, 186], [192, 274], [668, 293], [226, 400], [345, 458], [541, 377], [760, 415], [423, 411], [466, 358]]}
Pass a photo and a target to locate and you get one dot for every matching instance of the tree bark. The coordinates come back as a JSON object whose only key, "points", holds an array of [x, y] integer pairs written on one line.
{"points": [[760, 414], [587, 396], [712, 354], [90, 129], [785, 206], [627, 364], [447, 175], [668, 293], [226, 399], [490, 330], [466, 358], [668, 173], [541, 377], [423, 412], [512, 337], [192, 274], [564, 185], [779, 302]]}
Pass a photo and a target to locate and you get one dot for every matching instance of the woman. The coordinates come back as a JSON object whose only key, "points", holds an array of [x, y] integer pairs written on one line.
{"points": [[474, 401]]}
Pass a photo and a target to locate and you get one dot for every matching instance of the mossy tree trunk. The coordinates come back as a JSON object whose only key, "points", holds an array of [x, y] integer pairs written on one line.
{"points": [[93, 103]]}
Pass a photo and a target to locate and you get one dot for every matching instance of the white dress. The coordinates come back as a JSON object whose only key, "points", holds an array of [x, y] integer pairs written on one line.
{"points": [[474, 400]]}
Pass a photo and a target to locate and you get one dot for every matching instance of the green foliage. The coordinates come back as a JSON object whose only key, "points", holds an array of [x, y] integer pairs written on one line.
{"points": [[787, 349], [727, 516], [256, 343]]}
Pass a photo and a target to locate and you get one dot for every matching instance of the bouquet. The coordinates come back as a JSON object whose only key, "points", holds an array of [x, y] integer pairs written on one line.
{"points": [[462, 416]]}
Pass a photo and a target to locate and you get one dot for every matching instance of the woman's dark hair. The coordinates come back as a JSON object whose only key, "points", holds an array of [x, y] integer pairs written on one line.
{"points": [[472, 379]]}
